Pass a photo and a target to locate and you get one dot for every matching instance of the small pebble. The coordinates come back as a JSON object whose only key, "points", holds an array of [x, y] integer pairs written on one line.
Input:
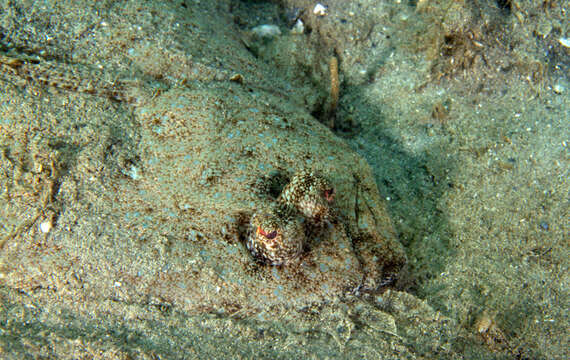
{"points": [[266, 31], [558, 88], [320, 10], [46, 226], [298, 28]]}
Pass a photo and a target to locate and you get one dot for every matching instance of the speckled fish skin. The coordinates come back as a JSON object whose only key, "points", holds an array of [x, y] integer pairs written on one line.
{"points": [[310, 194], [277, 236]]}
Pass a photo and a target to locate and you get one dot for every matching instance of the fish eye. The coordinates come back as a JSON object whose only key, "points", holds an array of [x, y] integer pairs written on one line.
{"points": [[329, 194], [270, 235]]}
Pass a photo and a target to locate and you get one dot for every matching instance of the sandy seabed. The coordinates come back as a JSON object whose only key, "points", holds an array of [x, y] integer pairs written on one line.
{"points": [[137, 139]]}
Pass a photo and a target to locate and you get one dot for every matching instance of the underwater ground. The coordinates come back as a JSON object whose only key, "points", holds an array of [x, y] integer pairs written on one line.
{"points": [[138, 138]]}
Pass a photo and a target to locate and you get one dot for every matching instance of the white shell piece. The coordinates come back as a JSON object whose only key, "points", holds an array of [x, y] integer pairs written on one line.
{"points": [[298, 28], [266, 31], [46, 226], [565, 42], [320, 10]]}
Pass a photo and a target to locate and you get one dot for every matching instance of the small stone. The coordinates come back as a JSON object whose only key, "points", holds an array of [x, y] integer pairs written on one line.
{"points": [[320, 10], [298, 28], [266, 31], [46, 226], [237, 78], [558, 88]]}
